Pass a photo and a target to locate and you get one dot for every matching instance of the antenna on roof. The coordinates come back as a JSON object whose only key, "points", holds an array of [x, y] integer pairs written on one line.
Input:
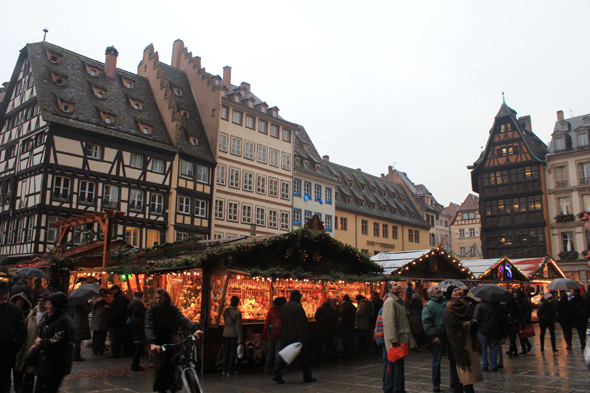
{"points": [[503, 98], [571, 114], [45, 31]]}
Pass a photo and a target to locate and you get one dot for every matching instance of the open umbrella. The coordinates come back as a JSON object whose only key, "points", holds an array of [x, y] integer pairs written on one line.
{"points": [[83, 293], [443, 285], [32, 272], [492, 293], [563, 284]]}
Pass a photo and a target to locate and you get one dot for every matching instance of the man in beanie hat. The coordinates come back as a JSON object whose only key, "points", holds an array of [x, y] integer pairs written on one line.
{"points": [[12, 336], [546, 315], [294, 325]]}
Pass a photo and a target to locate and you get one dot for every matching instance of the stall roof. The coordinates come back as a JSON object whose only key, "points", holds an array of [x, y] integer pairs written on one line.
{"points": [[480, 266], [391, 261], [531, 265]]}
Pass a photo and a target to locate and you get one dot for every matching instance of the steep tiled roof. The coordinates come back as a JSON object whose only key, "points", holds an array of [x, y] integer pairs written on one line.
{"points": [[470, 203], [192, 126], [536, 146], [304, 149], [395, 206], [452, 209], [78, 90], [570, 127]]}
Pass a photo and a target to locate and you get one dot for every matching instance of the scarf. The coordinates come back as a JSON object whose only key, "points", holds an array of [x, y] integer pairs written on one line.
{"points": [[456, 313]]}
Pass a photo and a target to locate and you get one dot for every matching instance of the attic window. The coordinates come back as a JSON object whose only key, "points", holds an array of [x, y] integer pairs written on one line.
{"points": [[383, 193], [128, 83], [564, 126], [65, 106], [108, 120], [317, 167], [194, 141], [587, 120], [135, 104], [59, 80], [99, 94], [348, 200], [251, 104], [262, 109], [361, 203], [306, 163], [178, 92], [362, 187], [54, 57], [349, 183], [145, 129], [92, 71], [297, 161], [373, 206], [184, 113]]}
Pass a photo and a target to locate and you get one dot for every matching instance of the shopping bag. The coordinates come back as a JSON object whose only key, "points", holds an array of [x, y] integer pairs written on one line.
{"points": [[240, 351], [290, 352], [587, 351], [527, 332], [396, 353]]}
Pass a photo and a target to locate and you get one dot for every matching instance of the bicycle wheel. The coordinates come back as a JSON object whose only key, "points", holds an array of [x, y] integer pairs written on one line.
{"points": [[192, 381]]}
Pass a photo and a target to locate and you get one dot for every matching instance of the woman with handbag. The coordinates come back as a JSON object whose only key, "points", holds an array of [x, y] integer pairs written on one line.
{"points": [[462, 333], [56, 351], [232, 335], [525, 319]]}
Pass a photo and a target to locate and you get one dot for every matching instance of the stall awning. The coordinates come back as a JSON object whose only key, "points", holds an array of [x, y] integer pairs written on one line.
{"points": [[479, 266], [391, 261], [531, 267]]}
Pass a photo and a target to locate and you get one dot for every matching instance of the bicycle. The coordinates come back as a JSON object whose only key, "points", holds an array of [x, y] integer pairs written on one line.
{"points": [[185, 367]]}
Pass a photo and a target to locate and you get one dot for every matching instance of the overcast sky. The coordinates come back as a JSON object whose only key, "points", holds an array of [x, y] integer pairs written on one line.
{"points": [[415, 83]]}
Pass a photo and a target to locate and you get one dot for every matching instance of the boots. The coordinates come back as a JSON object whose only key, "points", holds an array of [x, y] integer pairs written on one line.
{"points": [[468, 389]]}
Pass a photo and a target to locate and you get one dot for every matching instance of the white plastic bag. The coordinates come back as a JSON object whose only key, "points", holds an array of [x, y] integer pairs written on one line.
{"points": [[587, 350], [290, 352], [240, 351]]}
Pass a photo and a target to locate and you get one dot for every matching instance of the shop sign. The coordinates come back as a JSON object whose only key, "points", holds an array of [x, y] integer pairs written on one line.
{"points": [[384, 245]]}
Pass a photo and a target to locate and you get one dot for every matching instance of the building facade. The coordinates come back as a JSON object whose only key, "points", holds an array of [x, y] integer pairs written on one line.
{"points": [[509, 177], [313, 184], [79, 136], [375, 215], [253, 147], [568, 193], [465, 229]]}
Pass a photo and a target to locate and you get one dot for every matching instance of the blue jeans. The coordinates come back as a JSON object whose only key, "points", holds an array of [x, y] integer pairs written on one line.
{"points": [[492, 343], [437, 353], [393, 375], [273, 346]]}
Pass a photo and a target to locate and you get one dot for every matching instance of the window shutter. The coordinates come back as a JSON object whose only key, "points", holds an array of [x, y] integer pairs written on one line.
{"points": [[476, 232], [456, 233]]}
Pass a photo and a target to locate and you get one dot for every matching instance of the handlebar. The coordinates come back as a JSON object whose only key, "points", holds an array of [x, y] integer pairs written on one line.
{"points": [[167, 346]]}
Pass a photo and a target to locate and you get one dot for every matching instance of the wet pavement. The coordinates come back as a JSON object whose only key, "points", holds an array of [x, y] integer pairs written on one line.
{"points": [[537, 372]]}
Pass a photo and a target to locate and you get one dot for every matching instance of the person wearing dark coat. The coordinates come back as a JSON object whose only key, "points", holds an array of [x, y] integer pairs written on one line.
{"points": [[377, 304], [23, 286], [136, 312], [273, 335], [346, 315], [117, 320], [415, 317], [581, 312], [563, 315], [488, 315], [514, 321], [162, 321], [82, 326], [20, 300], [99, 323], [295, 329], [56, 351], [12, 335], [364, 313], [38, 290], [546, 315], [326, 318], [525, 314]]}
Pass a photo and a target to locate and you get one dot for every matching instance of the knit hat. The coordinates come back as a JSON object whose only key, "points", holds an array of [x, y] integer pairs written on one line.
{"points": [[548, 295], [449, 292], [59, 300]]}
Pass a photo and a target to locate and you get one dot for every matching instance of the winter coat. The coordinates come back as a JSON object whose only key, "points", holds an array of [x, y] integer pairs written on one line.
{"points": [[295, 324], [326, 320], [489, 317], [364, 312], [546, 312], [118, 315], [433, 317], [580, 308], [161, 323], [396, 325], [377, 304], [415, 317], [32, 332], [81, 312], [514, 314], [563, 312], [56, 349], [12, 333], [22, 286], [232, 319], [100, 316], [136, 312], [27, 307], [272, 315], [347, 315]]}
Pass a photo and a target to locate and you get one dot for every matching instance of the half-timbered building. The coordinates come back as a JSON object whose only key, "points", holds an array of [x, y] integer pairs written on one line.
{"points": [[77, 136], [509, 176]]}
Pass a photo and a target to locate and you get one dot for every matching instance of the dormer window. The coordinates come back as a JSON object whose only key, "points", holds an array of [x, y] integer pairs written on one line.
{"points": [[383, 193], [135, 104], [373, 206], [107, 118], [297, 161], [98, 92], [128, 83], [184, 113], [194, 141], [145, 129], [317, 167], [564, 126], [92, 71], [178, 92], [349, 183], [560, 143], [362, 187], [54, 57], [348, 199], [582, 138], [59, 80], [361, 203], [587, 120], [66, 106], [305, 164]]}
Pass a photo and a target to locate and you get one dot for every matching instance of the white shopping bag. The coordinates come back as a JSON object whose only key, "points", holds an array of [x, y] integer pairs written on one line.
{"points": [[587, 350], [290, 352], [240, 351]]}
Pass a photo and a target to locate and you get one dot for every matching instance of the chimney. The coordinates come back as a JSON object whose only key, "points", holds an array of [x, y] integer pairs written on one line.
{"points": [[110, 64], [326, 158], [527, 122], [559, 115], [390, 169], [177, 49], [227, 77], [245, 85]]}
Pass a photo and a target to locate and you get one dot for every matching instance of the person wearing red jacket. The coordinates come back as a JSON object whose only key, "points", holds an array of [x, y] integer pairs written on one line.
{"points": [[273, 333]]}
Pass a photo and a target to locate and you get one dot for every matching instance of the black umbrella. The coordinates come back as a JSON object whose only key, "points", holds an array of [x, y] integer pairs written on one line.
{"points": [[563, 284], [492, 293], [83, 293], [32, 272]]}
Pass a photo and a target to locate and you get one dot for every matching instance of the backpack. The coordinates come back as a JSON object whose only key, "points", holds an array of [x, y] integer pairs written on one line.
{"points": [[274, 329], [378, 334]]}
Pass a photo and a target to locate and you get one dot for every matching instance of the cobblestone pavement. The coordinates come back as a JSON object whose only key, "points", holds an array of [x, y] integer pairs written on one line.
{"points": [[537, 372]]}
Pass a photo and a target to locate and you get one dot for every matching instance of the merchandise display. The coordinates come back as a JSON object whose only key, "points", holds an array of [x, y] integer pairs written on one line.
{"points": [[337, 290], [254, 294], [312, 291], [217, 287]]}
